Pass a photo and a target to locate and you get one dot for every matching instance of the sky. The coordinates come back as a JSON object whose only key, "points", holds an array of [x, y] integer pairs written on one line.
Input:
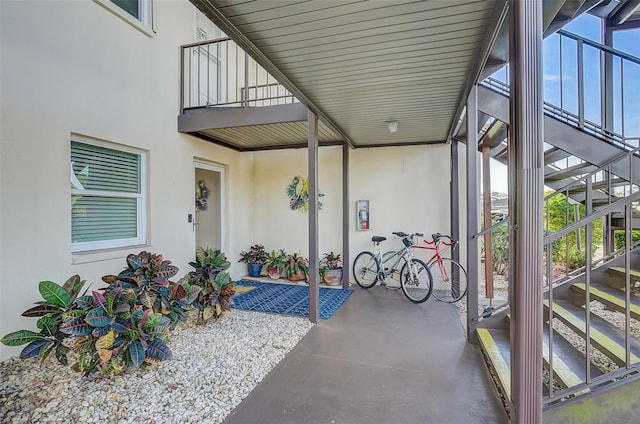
{"points": [[565, 94]]}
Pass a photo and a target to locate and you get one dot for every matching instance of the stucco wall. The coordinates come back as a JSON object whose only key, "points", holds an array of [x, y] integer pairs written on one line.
{"points": [[408, 188], [74, 67]]}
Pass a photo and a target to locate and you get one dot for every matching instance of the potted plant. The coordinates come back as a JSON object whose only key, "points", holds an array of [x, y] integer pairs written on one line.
{"points": [[275, 263], [255, 258], [331, 268], [296, 267]]}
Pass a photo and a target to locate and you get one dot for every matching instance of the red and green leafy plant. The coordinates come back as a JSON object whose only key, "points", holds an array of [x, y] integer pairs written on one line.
{"points": [[148, 275], [294, 264], [57, 305], [124, 325], [115, 331], [215, 283]]}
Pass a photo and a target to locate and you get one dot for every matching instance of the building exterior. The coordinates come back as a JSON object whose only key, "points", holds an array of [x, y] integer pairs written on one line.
{"points": [[78, 74]]}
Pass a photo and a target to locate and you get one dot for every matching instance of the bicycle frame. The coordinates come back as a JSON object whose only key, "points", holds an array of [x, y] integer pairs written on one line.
{"points": [[386, 271], [414, 276], [437, 255]]}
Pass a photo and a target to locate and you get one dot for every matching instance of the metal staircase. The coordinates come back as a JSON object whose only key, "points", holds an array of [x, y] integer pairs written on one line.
{"points": [[591, 349]]}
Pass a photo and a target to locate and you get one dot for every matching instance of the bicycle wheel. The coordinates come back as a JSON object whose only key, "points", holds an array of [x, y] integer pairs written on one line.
{"points": [[365, 270], [449, 280], [415, 280]]}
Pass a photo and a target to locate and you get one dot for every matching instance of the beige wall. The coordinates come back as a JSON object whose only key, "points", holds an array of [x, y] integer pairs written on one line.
{"points": [[74, 67], [275, 224], [408, 188]]}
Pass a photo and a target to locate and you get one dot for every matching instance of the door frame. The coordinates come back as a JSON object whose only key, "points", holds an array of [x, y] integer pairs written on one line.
{"points": [[221, 169]]}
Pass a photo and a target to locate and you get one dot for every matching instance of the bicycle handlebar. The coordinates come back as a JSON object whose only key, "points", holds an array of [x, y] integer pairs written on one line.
{"points": [[437, 236]]}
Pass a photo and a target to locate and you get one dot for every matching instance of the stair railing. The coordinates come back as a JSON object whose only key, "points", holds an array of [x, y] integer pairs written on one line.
{"points": [[607, 109], [602, 178], [625, 204]]}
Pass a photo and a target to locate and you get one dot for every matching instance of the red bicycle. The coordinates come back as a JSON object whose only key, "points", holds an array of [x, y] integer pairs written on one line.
{"points": [[448, 276]]}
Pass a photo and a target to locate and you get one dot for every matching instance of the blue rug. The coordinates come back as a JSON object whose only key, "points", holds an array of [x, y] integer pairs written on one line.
{"points": [[287, 299]]}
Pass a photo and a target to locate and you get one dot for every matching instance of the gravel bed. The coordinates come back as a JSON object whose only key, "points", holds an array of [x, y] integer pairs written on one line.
{"points": [[214, 367]]}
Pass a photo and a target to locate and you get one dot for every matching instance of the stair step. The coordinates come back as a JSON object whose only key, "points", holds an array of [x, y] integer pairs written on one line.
{"points": [[572, 171], [613, 299], [605, 200], [607, 338], [617, 270], [495, 344], [568, 362], [600, 185], [554, 154]]}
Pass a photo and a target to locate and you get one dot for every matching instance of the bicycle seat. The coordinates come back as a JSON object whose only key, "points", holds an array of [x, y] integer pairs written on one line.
{"points": [[378, 239]]}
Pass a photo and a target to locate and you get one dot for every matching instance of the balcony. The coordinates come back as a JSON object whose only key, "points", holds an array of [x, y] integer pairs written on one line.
{"points": [[229, 99]]}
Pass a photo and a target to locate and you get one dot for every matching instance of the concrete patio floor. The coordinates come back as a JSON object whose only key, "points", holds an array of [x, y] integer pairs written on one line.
{"points": [[379, 359]]}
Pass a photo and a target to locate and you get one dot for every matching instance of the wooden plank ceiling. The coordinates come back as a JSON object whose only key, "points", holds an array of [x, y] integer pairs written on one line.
{"points": [[363, 63]]}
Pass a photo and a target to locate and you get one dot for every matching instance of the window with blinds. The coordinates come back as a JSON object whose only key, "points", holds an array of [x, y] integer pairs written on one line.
{"points": [[107, 199]]}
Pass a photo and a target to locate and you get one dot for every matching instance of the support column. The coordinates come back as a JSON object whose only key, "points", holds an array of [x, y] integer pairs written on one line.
{"points": [[314, 313], [526, 206], [345, 217], [473, 188], [454, 201]]}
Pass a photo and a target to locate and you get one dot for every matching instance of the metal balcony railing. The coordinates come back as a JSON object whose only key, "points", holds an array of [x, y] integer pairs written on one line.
{"points": [[219, 73]]}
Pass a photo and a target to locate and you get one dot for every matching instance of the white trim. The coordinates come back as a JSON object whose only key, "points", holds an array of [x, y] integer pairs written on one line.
{"points": [[141, 203], [208, 166], [147, 15]]}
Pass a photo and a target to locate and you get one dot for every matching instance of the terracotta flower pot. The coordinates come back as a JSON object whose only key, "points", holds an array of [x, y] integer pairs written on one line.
{"points": [[296, 277]]}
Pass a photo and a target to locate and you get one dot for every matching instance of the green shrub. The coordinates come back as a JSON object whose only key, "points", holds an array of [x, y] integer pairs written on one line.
{"points": [[619, 237]]}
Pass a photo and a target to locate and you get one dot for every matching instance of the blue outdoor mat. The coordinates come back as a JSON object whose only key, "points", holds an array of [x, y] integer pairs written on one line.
{"points": [[287, 299]]}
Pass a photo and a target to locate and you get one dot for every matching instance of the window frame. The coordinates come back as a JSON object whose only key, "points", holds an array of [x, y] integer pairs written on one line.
{"points": [[146, 22], [141, 200]]}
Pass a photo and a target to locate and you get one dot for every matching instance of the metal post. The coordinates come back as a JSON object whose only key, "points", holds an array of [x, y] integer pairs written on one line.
{"points": [[454, 192], [472, 211], [245, 99], [313, 217], [345, 216], [580, 59], [607, 75], [486, 208], [182, 71], [526, 192]]}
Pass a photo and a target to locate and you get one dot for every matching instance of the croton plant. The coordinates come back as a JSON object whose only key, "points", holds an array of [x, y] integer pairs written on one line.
{"points": [[123, 325]]}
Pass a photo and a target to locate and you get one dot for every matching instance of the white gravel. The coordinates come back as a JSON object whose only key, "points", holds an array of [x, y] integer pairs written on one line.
{"points": [[214, 367]]}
